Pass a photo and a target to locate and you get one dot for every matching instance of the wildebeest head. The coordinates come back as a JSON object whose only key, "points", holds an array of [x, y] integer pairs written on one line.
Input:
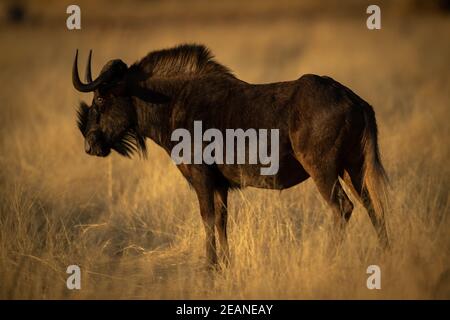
{"points": [[109, 122]]}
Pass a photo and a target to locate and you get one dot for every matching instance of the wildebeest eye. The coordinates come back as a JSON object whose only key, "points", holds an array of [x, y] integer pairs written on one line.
{"points": [[100, 100]]}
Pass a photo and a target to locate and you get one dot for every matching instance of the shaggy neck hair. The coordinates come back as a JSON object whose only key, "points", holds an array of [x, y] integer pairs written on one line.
{"points": [[188, 60]]}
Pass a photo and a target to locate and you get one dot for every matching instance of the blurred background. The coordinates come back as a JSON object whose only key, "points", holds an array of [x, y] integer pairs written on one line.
{"points": [[133, 225]]}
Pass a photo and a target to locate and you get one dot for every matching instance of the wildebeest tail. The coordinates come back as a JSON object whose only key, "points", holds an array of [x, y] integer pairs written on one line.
{"points": [[374, 176]]}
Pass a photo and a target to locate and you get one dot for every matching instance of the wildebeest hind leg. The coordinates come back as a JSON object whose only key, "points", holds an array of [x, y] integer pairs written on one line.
{"points": [[331, 190], [325, 177], [354, 178]]}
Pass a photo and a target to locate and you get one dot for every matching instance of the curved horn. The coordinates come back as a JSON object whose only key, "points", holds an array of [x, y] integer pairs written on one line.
{"points": [[88, 68], [91, 86]]}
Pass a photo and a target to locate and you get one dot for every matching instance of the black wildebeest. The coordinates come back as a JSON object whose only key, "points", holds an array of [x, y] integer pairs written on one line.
{"points": [[325, 130]]}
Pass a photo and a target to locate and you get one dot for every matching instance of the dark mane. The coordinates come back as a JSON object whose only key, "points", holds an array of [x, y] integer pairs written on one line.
{"points": [[183, 60]]}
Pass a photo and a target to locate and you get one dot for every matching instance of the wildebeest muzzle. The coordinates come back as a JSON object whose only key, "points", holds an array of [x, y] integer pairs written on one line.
{"points": [[95, 144]]}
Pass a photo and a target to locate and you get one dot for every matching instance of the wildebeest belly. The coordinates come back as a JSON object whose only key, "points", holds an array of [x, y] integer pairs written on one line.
{"points": [[290, 173]]}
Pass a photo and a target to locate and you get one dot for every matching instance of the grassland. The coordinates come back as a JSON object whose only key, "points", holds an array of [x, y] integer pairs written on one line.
{"points": [[133, 225]]}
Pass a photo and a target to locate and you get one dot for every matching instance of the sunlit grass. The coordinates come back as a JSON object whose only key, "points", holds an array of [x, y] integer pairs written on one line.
{"points": [[133, 226]]}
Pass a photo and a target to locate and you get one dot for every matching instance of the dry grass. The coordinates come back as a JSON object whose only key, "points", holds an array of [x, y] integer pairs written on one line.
{"points": [[147, 241]]}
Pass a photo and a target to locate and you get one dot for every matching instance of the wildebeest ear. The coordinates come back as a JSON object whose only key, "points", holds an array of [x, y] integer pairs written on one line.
{"points": [[148, 95], [135, 76]]}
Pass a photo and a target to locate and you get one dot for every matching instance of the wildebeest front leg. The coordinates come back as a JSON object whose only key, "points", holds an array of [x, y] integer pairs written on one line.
{"points": [[220, 204], [206, 202]]}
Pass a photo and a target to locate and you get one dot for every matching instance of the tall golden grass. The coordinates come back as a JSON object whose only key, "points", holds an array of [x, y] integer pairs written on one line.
{"points": [[133, 226]]}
